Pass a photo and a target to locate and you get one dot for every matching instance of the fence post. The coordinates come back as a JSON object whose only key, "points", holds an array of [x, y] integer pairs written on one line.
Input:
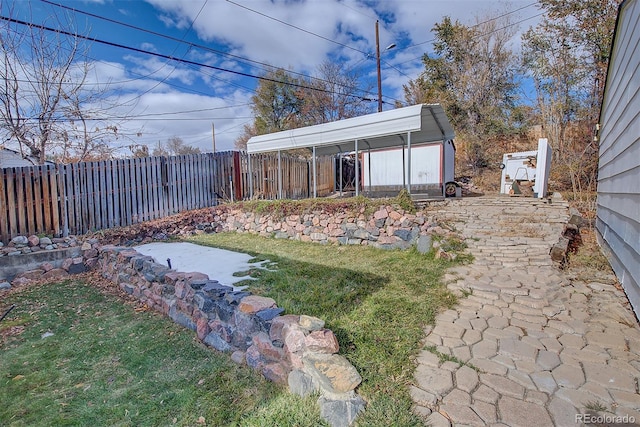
{"points": [[62, 191]]}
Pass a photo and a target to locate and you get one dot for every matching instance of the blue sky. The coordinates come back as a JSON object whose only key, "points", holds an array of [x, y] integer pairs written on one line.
{"points": [[240, 36]]}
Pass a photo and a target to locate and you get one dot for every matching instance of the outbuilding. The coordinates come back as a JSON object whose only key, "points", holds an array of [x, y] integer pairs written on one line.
{"points": [[410, 147]]}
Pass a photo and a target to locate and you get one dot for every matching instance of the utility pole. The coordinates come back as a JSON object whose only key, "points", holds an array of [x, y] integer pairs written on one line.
{"points": [[391, 46], [378, 68]]}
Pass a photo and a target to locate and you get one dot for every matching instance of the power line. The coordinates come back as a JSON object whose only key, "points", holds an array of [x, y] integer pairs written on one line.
{"points": [[264, 66], [476, 25], [480, 35], [206, 48], [140, 95], [168, 57], [296, 27]]}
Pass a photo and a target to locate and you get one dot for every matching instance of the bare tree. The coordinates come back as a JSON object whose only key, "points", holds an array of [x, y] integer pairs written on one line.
{"points": [[48, 106], [333, 96], [174, 146], [248, 131]]}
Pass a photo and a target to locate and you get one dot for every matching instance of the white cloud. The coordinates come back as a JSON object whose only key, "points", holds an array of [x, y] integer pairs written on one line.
{"points": [[161, 86], [161, 116]]}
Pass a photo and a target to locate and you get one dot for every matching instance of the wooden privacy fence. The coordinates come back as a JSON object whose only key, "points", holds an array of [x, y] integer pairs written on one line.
{"points": [[296, 176], [77, 198]]}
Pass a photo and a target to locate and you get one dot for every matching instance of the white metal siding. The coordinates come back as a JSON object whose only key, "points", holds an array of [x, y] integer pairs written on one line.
{"points": [[386, 166], [618, 215]]}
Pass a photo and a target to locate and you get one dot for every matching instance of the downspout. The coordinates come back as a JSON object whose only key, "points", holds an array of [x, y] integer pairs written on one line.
{"points": [[404, 168], [340, 173], [315, 176], [357, 171], [369, 164], [409, 162], [443, 156], [279, 176], [250, 176]]}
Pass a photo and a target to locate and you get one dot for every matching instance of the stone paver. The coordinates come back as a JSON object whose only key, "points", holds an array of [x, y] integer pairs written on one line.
{"points": [[538, 345]]}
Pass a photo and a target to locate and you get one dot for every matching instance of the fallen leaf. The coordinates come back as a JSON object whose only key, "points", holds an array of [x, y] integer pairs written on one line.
{"points": [[18, 377], [200, 382], [201, 420]]}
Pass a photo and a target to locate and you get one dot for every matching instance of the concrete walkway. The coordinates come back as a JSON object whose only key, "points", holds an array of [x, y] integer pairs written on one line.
{"points": [[528, 344]]}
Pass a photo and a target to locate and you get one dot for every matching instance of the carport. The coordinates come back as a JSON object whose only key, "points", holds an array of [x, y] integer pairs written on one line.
{"points": [[401, 129]]}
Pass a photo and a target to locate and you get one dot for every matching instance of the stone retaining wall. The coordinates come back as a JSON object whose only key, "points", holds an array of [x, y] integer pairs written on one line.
{"points": [[290, 349], [295, 350], [387, 228]]}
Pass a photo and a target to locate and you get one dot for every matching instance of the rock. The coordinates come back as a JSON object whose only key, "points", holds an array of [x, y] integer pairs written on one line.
{"points": [[67, 263], [361, 234], [5, 285], [300, 383], [403, 234], [323, 341], [318, 236], [90, 253], [91, 263], [77, 268], [277, 325], [310, 323], [182, 319], [55, 274], [20, 241], [269, 313], [202, 328], [253, 304], [293, 338], [203, 302], [31, 275], [559, 250], [127, 288], [423, 245], [254, 358], [266, 348], [380, 214], [33, 241], [332, 372], [238, 357], [44, 241], [341, 412], [47, 266], [575, 218], [20, 281], [275, 372], [214, 340]]}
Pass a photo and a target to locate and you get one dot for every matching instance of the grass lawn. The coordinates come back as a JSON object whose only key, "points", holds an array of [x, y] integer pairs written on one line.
{"points": [[108, 363], [377, 302]]}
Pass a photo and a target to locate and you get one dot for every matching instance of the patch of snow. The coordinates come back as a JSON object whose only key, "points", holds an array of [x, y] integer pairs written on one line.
{"points": [[218, 264]]}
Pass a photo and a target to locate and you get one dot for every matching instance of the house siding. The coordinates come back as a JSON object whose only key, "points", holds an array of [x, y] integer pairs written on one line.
{"points": [[618, 204]]}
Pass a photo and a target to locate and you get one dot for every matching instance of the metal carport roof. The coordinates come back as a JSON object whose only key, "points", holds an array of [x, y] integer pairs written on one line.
{"points": [[417, 124], [425, 123]]}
